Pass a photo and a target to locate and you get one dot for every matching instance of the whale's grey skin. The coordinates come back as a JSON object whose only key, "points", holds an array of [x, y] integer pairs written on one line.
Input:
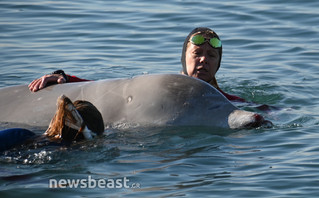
{"points": [[148, 100]]}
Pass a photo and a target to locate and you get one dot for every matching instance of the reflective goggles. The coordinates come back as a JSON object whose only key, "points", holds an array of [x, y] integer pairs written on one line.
{"points": [[200, 39]]}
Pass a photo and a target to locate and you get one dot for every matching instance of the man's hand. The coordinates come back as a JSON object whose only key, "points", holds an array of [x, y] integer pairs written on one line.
{"points": [[42, 82]]}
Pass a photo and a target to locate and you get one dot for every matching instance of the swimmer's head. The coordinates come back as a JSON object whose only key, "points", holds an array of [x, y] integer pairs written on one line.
{"points": [[200, 40], [75, 121]]}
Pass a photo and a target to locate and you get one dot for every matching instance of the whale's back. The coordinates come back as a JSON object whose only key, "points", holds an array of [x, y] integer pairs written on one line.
{"points": [[169, 99]]}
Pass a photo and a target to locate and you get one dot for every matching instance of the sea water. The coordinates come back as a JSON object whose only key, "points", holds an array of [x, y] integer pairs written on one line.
{"points": [[270, 56]]}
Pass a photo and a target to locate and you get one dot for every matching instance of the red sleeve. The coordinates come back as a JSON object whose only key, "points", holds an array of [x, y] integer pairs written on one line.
{"points": [[264, 107], [232, 97], [76, 79]]}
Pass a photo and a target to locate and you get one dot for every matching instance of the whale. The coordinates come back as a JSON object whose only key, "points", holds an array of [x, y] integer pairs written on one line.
{"points": [[145, 100]]}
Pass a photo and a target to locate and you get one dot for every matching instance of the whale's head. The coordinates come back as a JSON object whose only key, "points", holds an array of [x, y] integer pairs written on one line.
{"points": [[180, 100]]}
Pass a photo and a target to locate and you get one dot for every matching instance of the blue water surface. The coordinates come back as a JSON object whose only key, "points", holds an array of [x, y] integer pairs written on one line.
{"points": [[270, 56]]}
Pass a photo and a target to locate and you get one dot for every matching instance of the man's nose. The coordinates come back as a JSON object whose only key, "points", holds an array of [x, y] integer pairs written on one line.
{"points": [[204, 60]]}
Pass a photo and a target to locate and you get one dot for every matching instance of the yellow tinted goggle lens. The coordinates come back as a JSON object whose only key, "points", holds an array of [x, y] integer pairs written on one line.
{"points": [[199, 40]]}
